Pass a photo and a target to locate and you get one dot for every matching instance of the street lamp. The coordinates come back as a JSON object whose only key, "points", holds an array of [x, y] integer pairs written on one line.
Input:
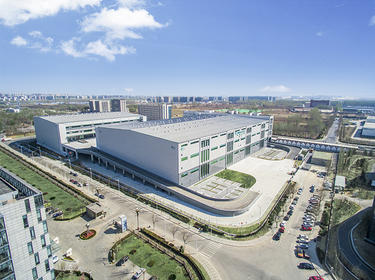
{"points": [[137, 212]]}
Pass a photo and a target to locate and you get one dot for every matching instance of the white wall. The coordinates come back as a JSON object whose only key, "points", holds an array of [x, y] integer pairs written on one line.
{"points": [[158, 156], [48, 134]]}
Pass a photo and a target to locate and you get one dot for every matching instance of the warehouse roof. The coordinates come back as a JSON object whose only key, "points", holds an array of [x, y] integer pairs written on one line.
{"points": [[189, 128], [87, 117], [369, 125]]}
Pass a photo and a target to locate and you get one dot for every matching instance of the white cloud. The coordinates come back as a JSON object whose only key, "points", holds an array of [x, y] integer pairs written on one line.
{"points": [[372, 21], [18, 41], [120, 23], [278, 88], [13, 12], [319, 34], [107, 50], [131, 3]]}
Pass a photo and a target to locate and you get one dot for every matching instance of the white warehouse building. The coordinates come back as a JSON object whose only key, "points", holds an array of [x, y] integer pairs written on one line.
{"points": [[54, 132], [368, 129], [186, 150]]}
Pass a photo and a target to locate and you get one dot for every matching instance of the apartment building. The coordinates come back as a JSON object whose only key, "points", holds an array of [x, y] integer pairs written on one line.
{"points": [[155, 111]]}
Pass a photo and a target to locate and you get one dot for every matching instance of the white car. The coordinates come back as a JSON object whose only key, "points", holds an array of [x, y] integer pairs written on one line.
{"points": [[283, 224], [138, 273], [303, 236], [55, 259]]}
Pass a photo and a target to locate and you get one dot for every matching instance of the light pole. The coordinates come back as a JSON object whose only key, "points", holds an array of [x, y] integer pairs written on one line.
{"points": [[90, 173], [118, 184], [137, 212]]}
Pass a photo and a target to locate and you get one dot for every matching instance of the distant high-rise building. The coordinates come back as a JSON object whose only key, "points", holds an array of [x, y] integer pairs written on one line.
{"points": [[118, 105], [175, 99], [183, 99], [108, 105], [25, 246], [155, 111], [166, 99]]}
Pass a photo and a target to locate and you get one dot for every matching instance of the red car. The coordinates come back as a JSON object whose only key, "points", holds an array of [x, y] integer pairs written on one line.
{"points": [[306, 228], [282, 229], [316, 278]]}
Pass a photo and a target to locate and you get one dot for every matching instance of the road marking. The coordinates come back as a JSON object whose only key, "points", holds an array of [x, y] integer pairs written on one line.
{"points": [[209, 249]]}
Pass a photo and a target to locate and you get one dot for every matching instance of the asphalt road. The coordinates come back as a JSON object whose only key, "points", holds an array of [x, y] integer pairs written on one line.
{"points": [[331, 136], [346, 245]]}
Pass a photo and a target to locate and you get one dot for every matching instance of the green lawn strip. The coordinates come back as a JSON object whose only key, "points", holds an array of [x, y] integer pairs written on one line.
{"points": [[343, 209], [246, 180], [70, 205], [70, 276], [162, 265]]}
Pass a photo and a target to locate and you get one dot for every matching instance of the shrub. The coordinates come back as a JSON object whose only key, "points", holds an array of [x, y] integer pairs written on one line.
{"points": [[52, 198], [150, 263], [132, 252], [172, 277]]}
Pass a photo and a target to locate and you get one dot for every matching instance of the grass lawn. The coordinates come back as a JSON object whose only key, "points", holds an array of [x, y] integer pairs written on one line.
{"points": [[246, 180], [155, 262], [57, 197], [68, 276], [343, 209]]}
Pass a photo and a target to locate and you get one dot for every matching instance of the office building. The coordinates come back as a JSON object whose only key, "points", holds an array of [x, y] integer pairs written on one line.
{"points": [[118, 105], [155, 111], [186, 150], [107, 105], [55, 132], [24, 244]]}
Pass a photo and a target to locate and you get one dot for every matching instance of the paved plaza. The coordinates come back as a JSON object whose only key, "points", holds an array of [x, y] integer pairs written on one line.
{"points": [[271, 154], [219, 188]]}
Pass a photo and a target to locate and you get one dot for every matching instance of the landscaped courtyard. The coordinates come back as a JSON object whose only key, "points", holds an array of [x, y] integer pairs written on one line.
{"points": [[57, 197], [246, 180], [155, 262]]}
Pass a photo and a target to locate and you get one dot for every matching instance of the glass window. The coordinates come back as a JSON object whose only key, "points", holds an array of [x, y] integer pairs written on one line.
{"points": [[248, 130], [38, 199], [6, 268], [35, 273], [36, 257], [46, 263], [184, 174], [4, 254], [39, 215], [32, 233], [2, 223], [27, 205], [194, 155], [30, 247], [229, 146], [43, 239], [25, 221], [49, 251], [53, 275], [3, 238], [45, 228], [184, 158]]}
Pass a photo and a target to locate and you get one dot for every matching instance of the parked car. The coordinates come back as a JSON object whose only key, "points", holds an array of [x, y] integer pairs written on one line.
{"points": [[276, 236], [57, 214], [100, 195], [316, 278], [286, 218], [122, 261], [303, 246], [302, 241], [55, 259], [138, 273], [282, 229], [302, 254], [305, 266], [153, 278], [303, 236], [291, 207], [306, 228], [290, 212], [294, 202]]}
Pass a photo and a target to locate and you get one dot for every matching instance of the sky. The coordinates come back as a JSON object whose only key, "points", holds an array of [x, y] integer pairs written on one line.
{"points": [[188, 47]]}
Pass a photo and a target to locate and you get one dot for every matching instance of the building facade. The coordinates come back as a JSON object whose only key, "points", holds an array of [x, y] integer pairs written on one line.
{"points": [[155, 111], [319, 103], [53, 132], [368, 129], [107, 105], [186, 150], [25, 247]]}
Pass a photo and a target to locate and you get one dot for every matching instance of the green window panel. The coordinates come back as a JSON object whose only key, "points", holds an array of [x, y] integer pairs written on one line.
{"points": [[184, 158]]}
